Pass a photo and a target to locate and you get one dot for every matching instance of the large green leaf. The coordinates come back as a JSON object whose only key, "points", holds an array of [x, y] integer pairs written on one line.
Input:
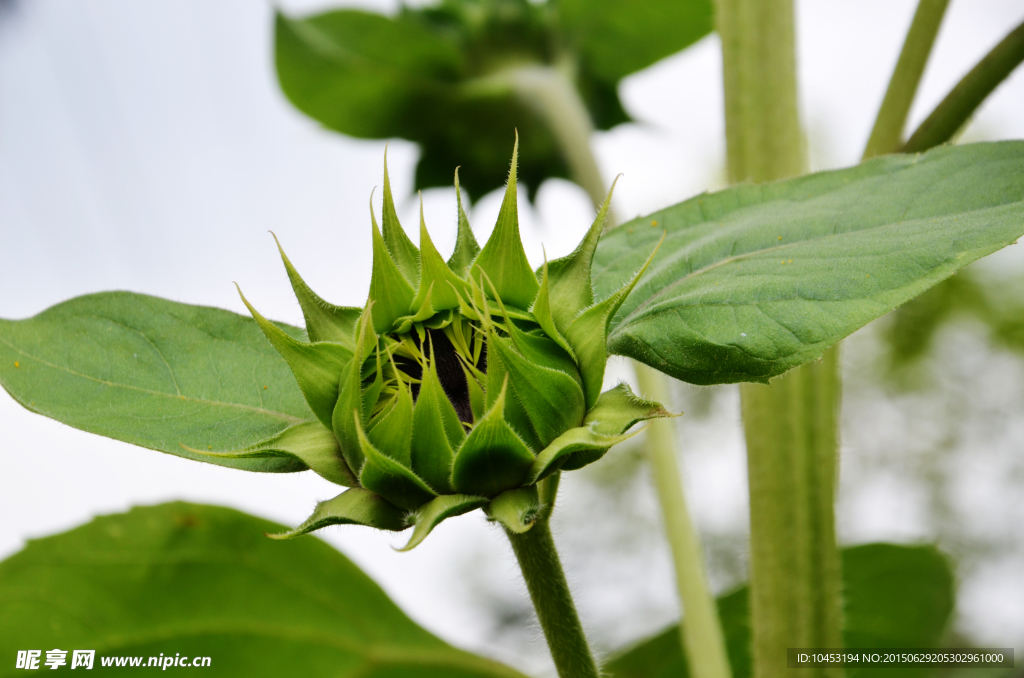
{"points": [[618, 38], [757, 279], [417, 75], [204, 581], [895, 596], [155, 373]]}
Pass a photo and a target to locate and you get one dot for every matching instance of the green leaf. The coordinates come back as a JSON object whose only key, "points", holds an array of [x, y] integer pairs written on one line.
{"points": [[493, 458], [317, 367], [466, 247], [582, 442], [361, 73], [309, 443], [516, 509], [155, 373], [552, 399], [757, 279], [437, 510], [503, 258], [896, 596], [588, 332], [618, 38], [324, 321], [437, 276], [618, 408], [390, 478], [401, 248], [204, 581], [351, 398], [392, 432], [436, 431], [413, 75], [390, 292], [352, 507], [570, 286]]}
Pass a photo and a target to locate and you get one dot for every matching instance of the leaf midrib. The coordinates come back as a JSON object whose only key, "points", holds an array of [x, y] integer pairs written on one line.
{"points": [[214, 403], [733, 258]]}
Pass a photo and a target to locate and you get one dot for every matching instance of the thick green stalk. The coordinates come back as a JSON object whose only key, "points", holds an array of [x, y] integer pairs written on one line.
{"points": [[791, 466], [545, 580], [551, 91], [887, 134], [960, 104], [791, 425], [702, 633]]}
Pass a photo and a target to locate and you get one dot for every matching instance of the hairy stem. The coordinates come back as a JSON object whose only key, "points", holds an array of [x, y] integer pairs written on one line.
{"points": [[701, 633], [545, 580], [791, 425], [959, 105], [791, 465], [887, 134]]}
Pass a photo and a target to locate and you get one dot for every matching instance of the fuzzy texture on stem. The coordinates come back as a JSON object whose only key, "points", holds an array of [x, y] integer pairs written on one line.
{"points": [[968, 94], [887, 134], [702, 633], [796, 584], [762, 124], [791, 424], [549, 590]]}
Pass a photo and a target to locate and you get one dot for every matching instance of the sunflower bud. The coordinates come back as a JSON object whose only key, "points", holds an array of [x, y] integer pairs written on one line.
{"points": [[461, 384]]}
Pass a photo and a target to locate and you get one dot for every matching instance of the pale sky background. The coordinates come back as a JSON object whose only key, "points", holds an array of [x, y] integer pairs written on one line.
{"points": [[147, 147]]}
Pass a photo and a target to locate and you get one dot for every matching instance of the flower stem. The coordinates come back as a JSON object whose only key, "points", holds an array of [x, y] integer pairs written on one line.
{"points": [[701, 633], [887, 134], [545, 580]]}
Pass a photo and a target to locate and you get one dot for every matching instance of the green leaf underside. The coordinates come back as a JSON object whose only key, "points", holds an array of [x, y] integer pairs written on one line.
{"points": [[309, 443], [355, 506], [317, 367], [405, 76], [581, 444], [895, 596], [492, 458], [437, 510], [516, 509], [618, 408], [155, 373], [390, 478], [324, 321], [204, 581], [757, 279]]}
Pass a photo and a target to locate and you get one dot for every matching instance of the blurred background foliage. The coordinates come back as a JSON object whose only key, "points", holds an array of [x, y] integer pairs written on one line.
{"points": [[433, 75]]}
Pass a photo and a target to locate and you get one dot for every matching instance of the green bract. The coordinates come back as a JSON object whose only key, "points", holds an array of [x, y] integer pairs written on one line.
{"points": [[460, 385]]}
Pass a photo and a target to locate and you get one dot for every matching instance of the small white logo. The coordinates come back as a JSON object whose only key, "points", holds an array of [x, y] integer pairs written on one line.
{"points": [[82, 658], [28, 659]]}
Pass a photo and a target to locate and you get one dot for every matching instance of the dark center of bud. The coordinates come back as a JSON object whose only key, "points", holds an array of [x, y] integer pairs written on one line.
{"points": [[450, 371]]}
